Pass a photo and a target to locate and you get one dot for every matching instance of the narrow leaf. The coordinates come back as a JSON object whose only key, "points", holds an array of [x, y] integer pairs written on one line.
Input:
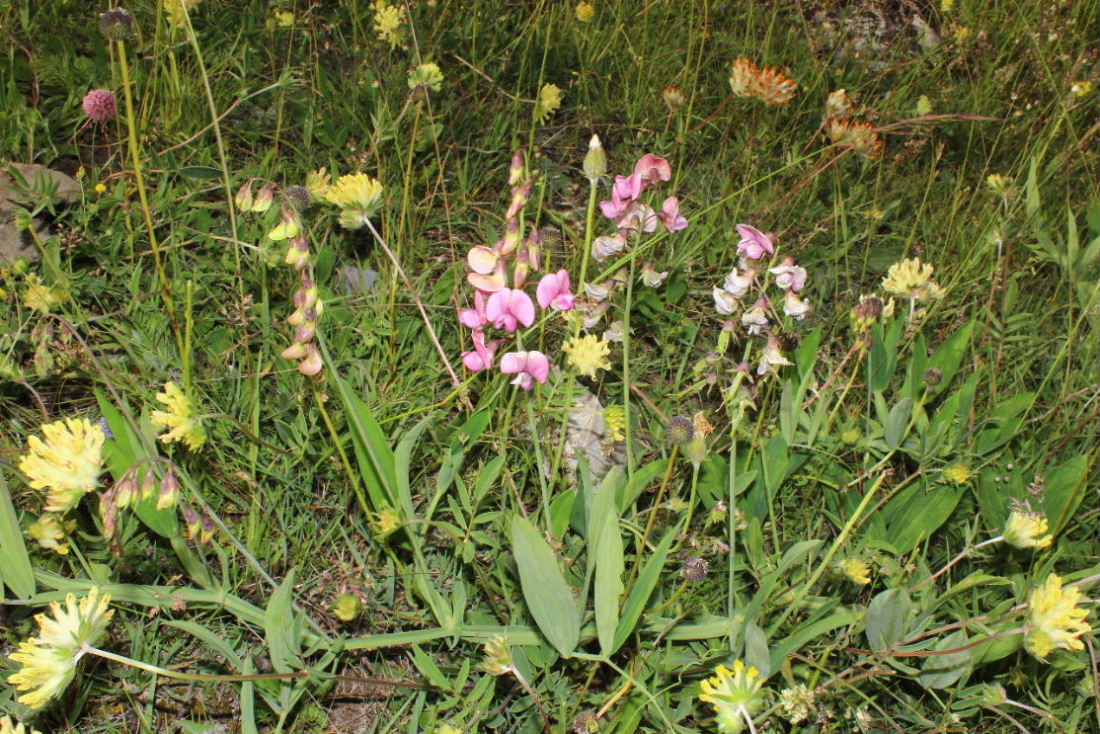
{"points": [[544, 588]]}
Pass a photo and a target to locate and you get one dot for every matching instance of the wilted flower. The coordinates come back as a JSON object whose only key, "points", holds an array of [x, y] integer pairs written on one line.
{"points": [[694, 569], [860, 135], [1055, 619], [587, 354], [548, 102], [767, 83], [67, 463], [738, 284], [1026, 529], [754, 243], [789, 276], [679, 430], [735, 696], [358, 196], [179, 418], [607, 245], [116, 24], [794, 306], [797, 704], [755, 320], [837, 104], [725, 303], [427, 76], [772, 357], [99, 105], [528, 367], [651, 277], [49, 661], [910, 279], [673, 97]]}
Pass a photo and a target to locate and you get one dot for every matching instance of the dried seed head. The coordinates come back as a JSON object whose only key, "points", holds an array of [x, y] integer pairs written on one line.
{"points": [[679, 430], [932, 377], [117, 25], [299, 197], [694, 569]]}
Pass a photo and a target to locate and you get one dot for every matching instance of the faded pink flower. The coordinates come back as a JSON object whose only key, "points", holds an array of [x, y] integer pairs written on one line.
{"points": [[528, 367], [99, 104], [607, 245], [637, 217], [738, 284], [489, 283], [553, 291], [653, 168], [509, 307], [482, 259], [754, 243], [670, 215], [789, 276]]}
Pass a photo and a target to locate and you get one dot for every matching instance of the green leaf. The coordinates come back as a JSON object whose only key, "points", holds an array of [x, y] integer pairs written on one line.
{"points": [[15, 565], [402, 457], [544, 588], [914, 514], [888, 619], [897, 423], [211, 639], [1065, 488], [642, 589], [756, 649], [609, 584], [282, 628], [376, 461], [201, 173], [427, 668], [948, 356], [941, 671]]}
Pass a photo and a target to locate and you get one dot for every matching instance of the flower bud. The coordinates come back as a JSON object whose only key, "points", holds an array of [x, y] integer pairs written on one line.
{"points": [[126, 491], [244, 199], [297, 350], [595, 160], [311, 366], [192, 521], [169, 493], [265, 197], [515, 170], [148, 485]]}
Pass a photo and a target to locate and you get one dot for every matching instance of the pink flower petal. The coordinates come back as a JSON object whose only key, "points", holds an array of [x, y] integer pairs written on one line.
{"points": [[538, 366], [482, 259], [513, 363], [653, 168]]}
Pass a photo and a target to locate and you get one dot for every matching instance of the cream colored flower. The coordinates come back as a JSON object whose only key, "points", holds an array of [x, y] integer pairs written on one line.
{"points": [[49, 661], [427, 76], [587, 354], [7, 726], [318, 183], [910, 279], [765, 83], [1055, 619], [358, 196], [49, 532], [548, 102], [857, 571], [957, 474], [67, 463], [179, 418], [1026, 530], [38, 296], [388, 23]]}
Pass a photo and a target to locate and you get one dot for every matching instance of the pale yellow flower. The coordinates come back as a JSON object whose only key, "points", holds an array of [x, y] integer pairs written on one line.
{"points": [[426, 75], [39, 296], [386, 521], [49, 532], [1055, 619], [49, 661], [957, 474], [614, 418], [548, 102], [587, 354], [1081, 89], [388, 21], [180, 418], [910, 279], [735, 696], [498, 656], [857, 571], [67, 463], [797, 704], [358, 196], [1026, 530], [584, 12], [8, 726], [999, 184]]}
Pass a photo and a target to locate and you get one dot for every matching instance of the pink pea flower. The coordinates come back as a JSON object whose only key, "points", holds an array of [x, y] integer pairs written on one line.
{"points": [[509, 307], [653, 168], [628, 187], [789, 276], [553, 291], [482, 259], [637, 218], [528, 367], [481, 356], [99, 104], [754, 243], [489, 283], [474, 318], [670, 215]]}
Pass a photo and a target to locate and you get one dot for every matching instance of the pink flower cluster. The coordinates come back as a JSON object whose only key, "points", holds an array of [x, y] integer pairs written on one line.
{"points": [[99, 105], [500, 307], [631, 215]]}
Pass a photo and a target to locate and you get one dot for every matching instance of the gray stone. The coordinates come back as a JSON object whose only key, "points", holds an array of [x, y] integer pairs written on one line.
{"points": [[16, 181]]}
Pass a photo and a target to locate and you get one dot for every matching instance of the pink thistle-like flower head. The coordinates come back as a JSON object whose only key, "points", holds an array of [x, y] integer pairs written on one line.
{"points": [[99, 105], [754, 243], [670, 215], [528, 367], [553, 291], [653, 168], [509, 307]]}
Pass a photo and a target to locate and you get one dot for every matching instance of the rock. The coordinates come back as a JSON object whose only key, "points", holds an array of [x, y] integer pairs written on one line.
{"points": [[16, 180]]}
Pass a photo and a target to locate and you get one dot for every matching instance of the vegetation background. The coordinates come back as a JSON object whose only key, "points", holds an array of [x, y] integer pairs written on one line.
{"points": [[377, 523]]}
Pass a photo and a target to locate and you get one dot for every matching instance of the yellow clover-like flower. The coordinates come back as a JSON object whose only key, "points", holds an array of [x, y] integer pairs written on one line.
{"points": [[587, 354], [7, 726], [857, 571], [49, 531], [180, 418], [584, 12], [427, 76], [735, 696], [67, 463], [1026, 530], [1055, 619], [910, 279], [358, 196], [387, 23], [548, 102], [957, 474], [49, 661]]}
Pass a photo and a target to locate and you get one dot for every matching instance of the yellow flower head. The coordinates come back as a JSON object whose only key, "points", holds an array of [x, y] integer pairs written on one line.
{"points": [[1055, 619], [587, 354], [498, 656], [386, 521], [1081, 89], [49, 661], [39, 296], [614, 418], [49, 531], [1026, 529], [765, 83], [548, 103], [388, 23], [957, 474], [358, 196], [347, 607], [584, 12], [67, 463], [7, 726], [318, 183], [999, 184], [427, 76], [910, 279], [179, 418], [734, 695], [857, 571], [448, 729]]}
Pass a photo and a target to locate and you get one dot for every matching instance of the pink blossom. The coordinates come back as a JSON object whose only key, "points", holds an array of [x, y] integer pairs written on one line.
{"points": [[789, 276], [653, 168], [528, 367], [628, 187], [474, 318], [482, 259], [553, 290], [489, 283], [481, 356], [99, 104], [509, 307], [670, 215], [754, 243], [637, 217]]}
